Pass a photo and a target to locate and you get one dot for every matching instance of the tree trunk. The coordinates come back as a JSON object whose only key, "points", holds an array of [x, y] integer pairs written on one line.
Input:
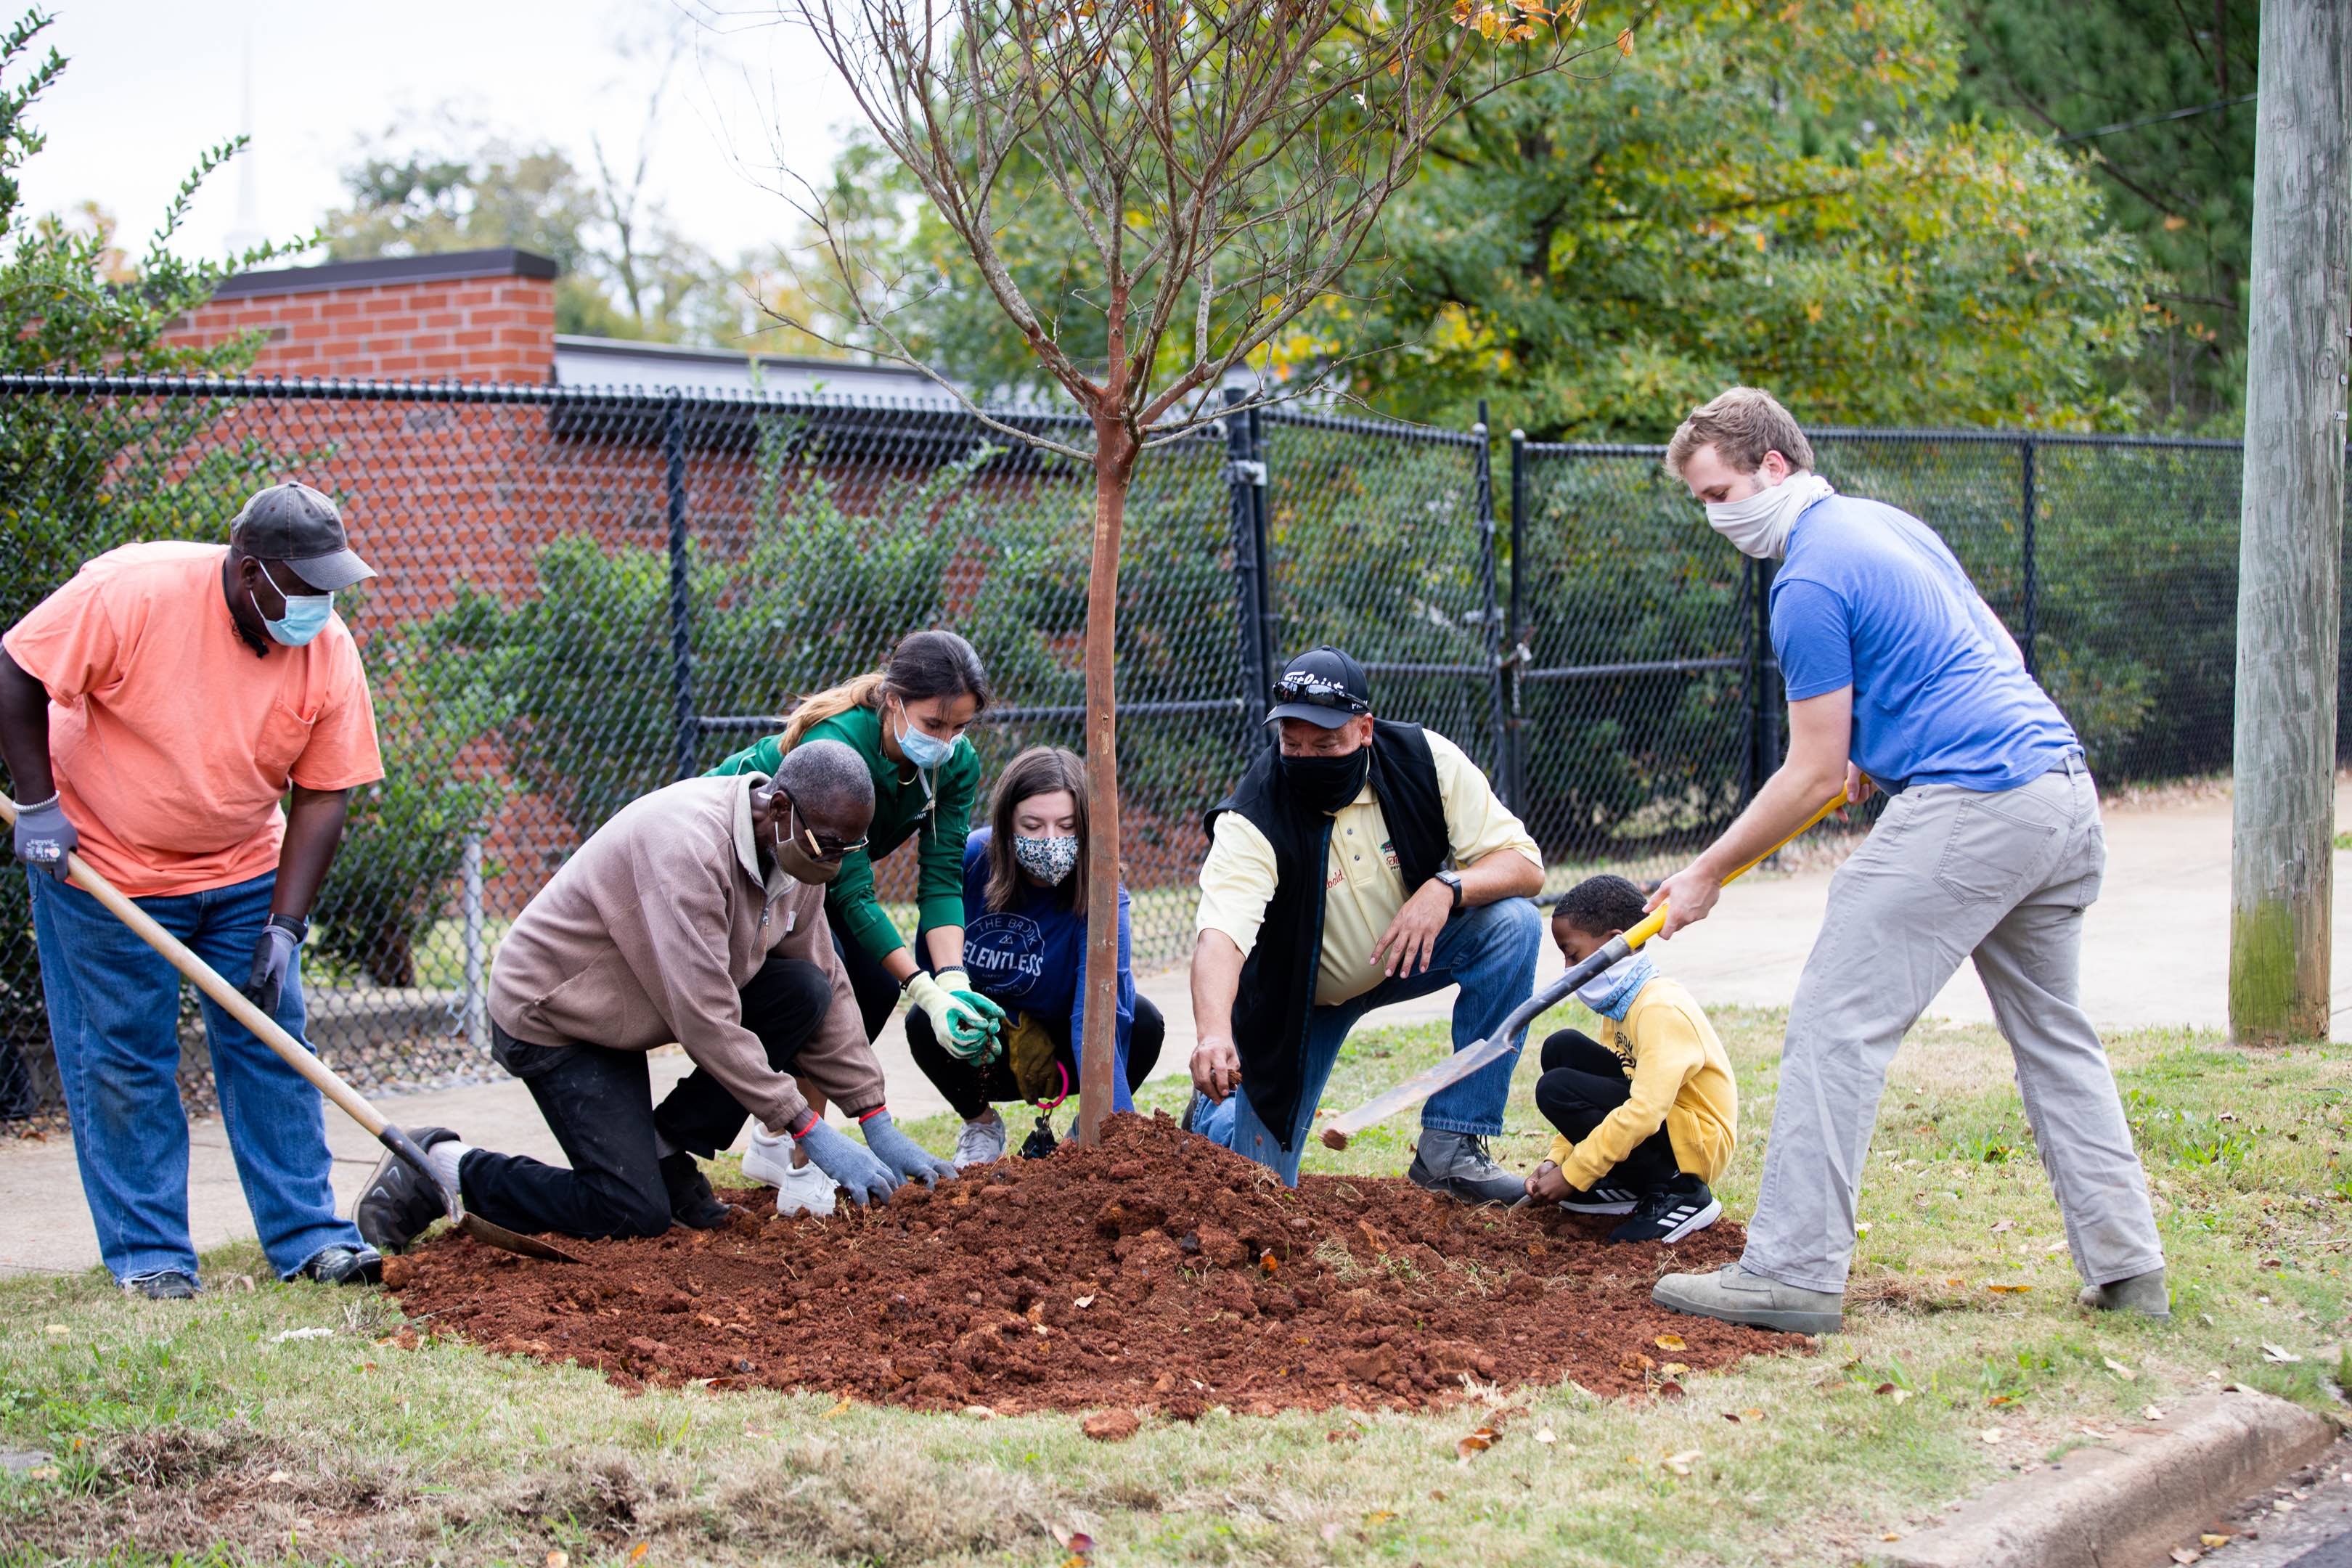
{"points": [[2290, 541], [1115, 455]]}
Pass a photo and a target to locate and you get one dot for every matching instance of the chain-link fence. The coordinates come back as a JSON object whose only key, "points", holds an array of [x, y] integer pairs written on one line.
{"points": [[586, 593]]}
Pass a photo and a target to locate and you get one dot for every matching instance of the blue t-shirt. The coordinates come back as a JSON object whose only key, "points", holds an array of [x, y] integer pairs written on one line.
{"points": [[1869, 598], [1032, 957]]}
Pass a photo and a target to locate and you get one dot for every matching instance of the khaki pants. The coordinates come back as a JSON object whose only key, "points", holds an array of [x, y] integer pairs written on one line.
{"points": [[1948, 874]]}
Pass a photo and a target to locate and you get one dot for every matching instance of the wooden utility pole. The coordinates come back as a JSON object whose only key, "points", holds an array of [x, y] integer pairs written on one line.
{"points": [[2291, 535]]}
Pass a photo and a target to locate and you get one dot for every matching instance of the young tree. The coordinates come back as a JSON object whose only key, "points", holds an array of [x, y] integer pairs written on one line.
{"points": [[1220, 165]]}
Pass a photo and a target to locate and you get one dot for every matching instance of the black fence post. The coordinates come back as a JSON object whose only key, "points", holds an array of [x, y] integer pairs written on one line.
{"points": [[1515, 763], [1243, 474], [2026, 546], [1491, 609], [1763, 711], [688, 735]]}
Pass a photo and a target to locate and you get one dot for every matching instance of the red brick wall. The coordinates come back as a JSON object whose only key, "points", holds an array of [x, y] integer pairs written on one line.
{"points": [[462, 328]]}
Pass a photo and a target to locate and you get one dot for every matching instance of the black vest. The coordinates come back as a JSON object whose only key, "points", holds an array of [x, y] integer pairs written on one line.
{"points": [[1277, 986]]}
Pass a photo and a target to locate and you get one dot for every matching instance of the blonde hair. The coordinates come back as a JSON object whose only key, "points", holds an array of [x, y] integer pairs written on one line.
{"points": [[1742, 425], [923, 666]]}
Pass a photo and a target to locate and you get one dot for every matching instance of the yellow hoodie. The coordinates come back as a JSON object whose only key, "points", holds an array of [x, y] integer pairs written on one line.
{"points": [[1682, 1079]]}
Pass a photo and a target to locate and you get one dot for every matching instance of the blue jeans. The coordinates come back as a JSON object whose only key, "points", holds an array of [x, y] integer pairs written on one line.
{"points": [[1490, 953], [114, 1008]]}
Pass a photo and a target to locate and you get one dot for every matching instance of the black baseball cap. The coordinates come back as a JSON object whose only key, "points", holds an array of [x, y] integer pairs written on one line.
{"points": [[295, 524], [1322, 686]]}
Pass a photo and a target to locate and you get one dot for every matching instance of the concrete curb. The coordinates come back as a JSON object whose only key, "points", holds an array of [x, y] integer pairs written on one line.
{"points": [[2132, 1500]]}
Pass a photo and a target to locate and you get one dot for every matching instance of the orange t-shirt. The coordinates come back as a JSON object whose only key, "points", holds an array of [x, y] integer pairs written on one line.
{"points": [[172, 742]]}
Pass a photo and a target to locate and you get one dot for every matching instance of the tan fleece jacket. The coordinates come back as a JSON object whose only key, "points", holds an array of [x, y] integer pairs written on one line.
{"points": [[650, 931], [1682, 1081]]}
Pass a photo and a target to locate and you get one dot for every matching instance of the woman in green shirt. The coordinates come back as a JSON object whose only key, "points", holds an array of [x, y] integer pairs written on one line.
{"points": [[908, 720]]}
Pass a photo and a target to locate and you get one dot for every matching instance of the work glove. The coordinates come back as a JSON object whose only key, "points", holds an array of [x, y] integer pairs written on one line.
{"points": [[909, 1160], [272, 957], [965, 1022], [854, 1170], [44, 836]]}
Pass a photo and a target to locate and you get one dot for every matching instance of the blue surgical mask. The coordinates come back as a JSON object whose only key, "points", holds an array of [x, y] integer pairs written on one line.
{"points": [[305, 614], [926, 752]]}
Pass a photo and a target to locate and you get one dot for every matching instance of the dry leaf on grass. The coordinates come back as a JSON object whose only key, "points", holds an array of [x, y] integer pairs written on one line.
{"points": [[2209, 1539], [2120, 1370], [2009, 1290], [1993, 1433], [1681, 1463], [559, 1559], [2278, 1355], [2153, 1412], [1479, 1442], [2186, 1554], [1545, 1436]]}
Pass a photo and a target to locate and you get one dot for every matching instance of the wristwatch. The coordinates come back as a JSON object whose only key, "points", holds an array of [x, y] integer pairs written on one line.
{"points": [[1453, 880]]}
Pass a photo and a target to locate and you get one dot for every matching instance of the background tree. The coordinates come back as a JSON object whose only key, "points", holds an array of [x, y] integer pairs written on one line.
{"points": [[1219, 165], [2149, 96], [1768, 193]]}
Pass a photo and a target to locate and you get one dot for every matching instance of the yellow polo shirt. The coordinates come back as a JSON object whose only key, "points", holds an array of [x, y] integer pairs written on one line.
{"points": [[1363, 885]]}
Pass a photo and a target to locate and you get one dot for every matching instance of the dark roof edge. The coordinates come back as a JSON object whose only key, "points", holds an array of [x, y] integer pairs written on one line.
{"points": [[506, 261]]}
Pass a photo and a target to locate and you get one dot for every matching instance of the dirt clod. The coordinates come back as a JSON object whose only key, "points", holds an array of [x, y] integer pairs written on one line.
{"points": [[1111, 1425], [1202, 1285]]}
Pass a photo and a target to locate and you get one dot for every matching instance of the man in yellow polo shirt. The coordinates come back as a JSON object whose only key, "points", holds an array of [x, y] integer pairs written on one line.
{"points": [[1360, 863]]}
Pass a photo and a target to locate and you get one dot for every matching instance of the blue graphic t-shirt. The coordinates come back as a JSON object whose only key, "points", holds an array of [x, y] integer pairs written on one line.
{"points": [[1032, 957]]}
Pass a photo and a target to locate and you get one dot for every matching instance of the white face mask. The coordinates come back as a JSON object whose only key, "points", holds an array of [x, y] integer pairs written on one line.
{"points": [[1759, 525]]}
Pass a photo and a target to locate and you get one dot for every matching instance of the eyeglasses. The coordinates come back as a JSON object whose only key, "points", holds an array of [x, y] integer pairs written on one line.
{"points": [[1316, 692], [823, 848]]}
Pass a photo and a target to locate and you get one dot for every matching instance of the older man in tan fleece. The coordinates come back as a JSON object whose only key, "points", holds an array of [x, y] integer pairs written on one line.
{"points": [[696, 915]]}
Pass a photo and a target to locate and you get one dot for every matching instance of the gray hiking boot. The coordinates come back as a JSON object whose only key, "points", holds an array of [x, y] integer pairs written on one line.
{"points": [[1458, 1165], [2142, 1293], [1735, 1296], [980, 1142]]}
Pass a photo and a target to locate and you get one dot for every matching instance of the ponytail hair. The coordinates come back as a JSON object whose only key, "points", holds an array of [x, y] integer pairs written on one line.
{"points": [[923, 666]]}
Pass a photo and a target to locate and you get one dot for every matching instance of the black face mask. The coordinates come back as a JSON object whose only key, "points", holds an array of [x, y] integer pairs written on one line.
{"points": [[1327, 784]]}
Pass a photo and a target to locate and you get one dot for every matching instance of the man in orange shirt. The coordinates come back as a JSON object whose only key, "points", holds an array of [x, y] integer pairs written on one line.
{"points": [[152, 712]]}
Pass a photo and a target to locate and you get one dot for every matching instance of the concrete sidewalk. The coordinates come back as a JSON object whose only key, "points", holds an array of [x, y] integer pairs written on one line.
{"points": [[2155, 952]]}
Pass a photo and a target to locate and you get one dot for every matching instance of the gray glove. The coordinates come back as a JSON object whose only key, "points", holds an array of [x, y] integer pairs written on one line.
{"points": [[44, 836], [856, 1172], [273, 956], [908, 1159]]}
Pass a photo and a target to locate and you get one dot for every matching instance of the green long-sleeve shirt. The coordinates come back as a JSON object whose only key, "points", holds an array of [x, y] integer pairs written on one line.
{"points": [[902, 809]]}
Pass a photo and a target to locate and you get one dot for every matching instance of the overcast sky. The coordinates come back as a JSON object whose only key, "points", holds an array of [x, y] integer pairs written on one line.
{"points": [[151, 82]]}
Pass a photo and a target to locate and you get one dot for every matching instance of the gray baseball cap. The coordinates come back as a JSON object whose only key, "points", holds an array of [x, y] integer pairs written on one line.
{"points": [[300, 526]]}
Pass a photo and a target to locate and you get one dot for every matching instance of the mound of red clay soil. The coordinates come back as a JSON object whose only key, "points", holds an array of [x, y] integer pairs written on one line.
{"points": [[1155, 1272]]}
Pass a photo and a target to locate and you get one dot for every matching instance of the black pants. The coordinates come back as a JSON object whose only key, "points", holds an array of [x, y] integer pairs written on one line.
{"points": [[599, 1104], [876, 992], [972, 1087], [1582, 1082]]}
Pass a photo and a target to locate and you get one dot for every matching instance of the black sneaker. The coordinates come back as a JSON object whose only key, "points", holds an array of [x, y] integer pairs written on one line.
{"points": [[398, 1204], [170, 1285], [1672, 1213], [345, 1265], [1602, 1197], [1459, 1165], [691, 1202]]}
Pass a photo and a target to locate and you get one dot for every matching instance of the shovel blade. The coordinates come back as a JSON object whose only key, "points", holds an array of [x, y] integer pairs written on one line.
{"points": [[507, 1240]]}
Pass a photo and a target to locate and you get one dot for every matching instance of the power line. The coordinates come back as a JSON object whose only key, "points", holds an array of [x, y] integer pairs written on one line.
{"points": [[2161, 119]]}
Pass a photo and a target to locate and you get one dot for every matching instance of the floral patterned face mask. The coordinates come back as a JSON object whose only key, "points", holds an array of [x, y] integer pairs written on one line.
{"points": [[1050, 860]]}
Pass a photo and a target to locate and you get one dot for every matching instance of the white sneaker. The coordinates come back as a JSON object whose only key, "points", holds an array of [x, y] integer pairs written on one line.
{"points": [[980, 1142], [768, 1159], [805, 1190]]}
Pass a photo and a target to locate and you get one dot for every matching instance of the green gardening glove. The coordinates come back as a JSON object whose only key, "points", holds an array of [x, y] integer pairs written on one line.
{"points": [[964, 1021]]}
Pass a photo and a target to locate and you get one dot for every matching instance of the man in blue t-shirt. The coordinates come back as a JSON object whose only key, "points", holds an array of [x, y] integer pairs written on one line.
{"points": [[1900, 678]]}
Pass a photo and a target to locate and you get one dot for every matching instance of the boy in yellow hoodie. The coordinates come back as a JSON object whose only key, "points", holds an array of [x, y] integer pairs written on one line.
{"points": [[1648, 1113]]}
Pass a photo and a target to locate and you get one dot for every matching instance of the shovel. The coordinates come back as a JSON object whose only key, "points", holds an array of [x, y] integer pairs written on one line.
{"points": [[1462, 1063], [265, 1029]]}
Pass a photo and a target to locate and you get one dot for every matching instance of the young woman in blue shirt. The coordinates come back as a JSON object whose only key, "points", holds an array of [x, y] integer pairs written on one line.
{"points": [[1025, 948]]}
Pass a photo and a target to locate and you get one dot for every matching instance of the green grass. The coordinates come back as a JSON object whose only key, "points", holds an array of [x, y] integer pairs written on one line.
{"points": [[192, 1434]]}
